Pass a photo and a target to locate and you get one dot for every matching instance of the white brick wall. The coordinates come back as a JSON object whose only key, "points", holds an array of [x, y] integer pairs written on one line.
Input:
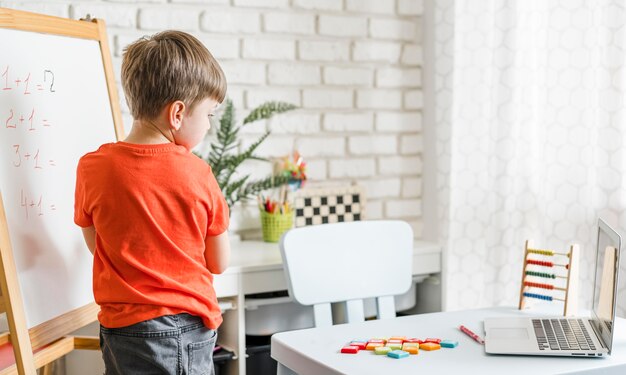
{"points": [[377, 51], [156, 19], [324, 99], [353, 66], [394, 29], [399, 121], [319, 4], [373, 144], [324, 50], [370, 6], [348, 75], [293, 74], [348, 168], [342, 26], [349, 122], [263, 49], [228, 21], [289, 23]]}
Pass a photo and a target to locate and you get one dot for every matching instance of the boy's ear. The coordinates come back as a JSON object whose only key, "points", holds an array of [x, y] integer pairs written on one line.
{"points": [[175, 114]]}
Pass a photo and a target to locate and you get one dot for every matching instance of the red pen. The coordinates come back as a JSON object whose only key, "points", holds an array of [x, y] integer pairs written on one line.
{"points": [[471, 334]]}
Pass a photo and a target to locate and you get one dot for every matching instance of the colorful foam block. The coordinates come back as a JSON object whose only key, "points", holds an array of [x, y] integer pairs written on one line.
{"points": [[449, 343], [411, 349], [401, 338], [360, 344], [397, 354], [395, 346], [373, 345], [417, 341], [382, 349], [409, 344], [381, 341], [430, 346], [436, 341], [350, 349]]}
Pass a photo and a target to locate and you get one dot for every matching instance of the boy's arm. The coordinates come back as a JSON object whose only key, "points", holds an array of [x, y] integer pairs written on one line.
{"points": [[90, 238], [217, 253]]}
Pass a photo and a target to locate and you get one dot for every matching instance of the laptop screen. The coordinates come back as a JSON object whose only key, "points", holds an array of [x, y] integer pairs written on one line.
{"points": [[608, 247]]}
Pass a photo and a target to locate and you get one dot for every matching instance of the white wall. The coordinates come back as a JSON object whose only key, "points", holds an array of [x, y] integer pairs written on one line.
{"points": [[353, 66]]}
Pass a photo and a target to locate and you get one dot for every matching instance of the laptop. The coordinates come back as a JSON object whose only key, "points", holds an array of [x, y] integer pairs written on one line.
{"points": [[567, 336]]}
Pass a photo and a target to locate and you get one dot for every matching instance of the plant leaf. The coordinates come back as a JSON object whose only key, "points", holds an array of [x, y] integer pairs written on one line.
{"points": [[267, 110]]}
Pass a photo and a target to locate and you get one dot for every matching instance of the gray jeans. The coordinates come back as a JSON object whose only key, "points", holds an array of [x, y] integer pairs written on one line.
{"points": [[172, 344]]}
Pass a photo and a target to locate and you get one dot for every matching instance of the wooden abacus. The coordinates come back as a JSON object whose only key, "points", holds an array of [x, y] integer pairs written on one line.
{"points": [[565, 276]]}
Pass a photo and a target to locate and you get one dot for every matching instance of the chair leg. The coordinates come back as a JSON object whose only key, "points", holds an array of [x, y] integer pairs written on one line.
{"points": [[386, 307], [355, 311], [323, 315], [284, 370]]}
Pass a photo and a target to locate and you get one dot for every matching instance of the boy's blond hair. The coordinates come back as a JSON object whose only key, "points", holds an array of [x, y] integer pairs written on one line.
{"points": [[169, 66]]}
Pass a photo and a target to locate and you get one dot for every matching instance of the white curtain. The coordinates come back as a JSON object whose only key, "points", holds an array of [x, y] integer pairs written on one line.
{"points": [[530, 137]]}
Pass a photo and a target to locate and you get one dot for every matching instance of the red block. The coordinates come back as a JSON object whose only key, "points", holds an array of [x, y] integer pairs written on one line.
{"points": [[414, 340], [436, 341], [350, 349], [360, 345]]}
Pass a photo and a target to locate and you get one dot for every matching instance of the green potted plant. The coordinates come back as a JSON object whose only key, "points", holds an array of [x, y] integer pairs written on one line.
{"points": [[224, 158]]}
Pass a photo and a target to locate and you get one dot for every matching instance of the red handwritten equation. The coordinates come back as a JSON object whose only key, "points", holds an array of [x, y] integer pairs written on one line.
{"points": [[28, 121], [34, 158], [34, 207], [22, 86]]}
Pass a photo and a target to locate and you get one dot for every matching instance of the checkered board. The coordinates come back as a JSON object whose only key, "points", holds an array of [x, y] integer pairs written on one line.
{"points": [[328, 205]]}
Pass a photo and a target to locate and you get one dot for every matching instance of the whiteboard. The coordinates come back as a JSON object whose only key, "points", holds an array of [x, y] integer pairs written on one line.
{"points": [[54, 108]]}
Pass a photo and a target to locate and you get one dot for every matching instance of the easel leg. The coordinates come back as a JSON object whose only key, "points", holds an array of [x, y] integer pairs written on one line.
{"points": [[47, 369]]}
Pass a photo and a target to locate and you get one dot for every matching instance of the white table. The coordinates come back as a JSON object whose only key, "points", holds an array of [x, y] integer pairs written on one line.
{"points": [[316, 351], [257, 267]]}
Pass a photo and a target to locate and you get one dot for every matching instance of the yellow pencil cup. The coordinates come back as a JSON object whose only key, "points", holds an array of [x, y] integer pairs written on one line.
{"points": [[274, 225]]}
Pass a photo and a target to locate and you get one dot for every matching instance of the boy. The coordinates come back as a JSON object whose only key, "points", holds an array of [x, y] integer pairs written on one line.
{"points": [[154, 217]]}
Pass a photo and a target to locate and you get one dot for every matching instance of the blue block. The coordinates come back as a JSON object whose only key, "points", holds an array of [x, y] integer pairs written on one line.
{"points": [[397, 354], [449, 343]]}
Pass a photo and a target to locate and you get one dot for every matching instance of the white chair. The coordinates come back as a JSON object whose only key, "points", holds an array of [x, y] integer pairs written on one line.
{"points": [[348, 262]]}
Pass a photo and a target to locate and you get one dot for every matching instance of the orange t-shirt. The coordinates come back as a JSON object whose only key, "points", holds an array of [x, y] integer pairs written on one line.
{"points": [[152, 207]]}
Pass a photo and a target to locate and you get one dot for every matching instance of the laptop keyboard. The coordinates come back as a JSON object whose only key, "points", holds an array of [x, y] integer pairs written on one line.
{"points": [[562, 334]]}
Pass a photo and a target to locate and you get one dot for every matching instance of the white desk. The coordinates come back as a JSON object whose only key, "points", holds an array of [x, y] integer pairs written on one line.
{"points": [[316, 351], [257, 267]]}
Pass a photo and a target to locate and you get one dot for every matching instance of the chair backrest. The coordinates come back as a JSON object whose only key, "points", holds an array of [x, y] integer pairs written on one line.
{"points": [[348, 262]]}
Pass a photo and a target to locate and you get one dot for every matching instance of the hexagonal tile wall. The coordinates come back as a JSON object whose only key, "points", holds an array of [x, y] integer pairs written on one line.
{"points": [[530, 133]]}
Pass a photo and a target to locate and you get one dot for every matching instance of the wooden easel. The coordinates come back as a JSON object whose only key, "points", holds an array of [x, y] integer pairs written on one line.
{"points": [[40, 345]]}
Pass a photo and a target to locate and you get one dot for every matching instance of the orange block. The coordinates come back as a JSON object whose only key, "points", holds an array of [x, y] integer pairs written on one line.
{"points": [[402, 338], [382, 341], [373, 345], [411, 349], [430, 346]]}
